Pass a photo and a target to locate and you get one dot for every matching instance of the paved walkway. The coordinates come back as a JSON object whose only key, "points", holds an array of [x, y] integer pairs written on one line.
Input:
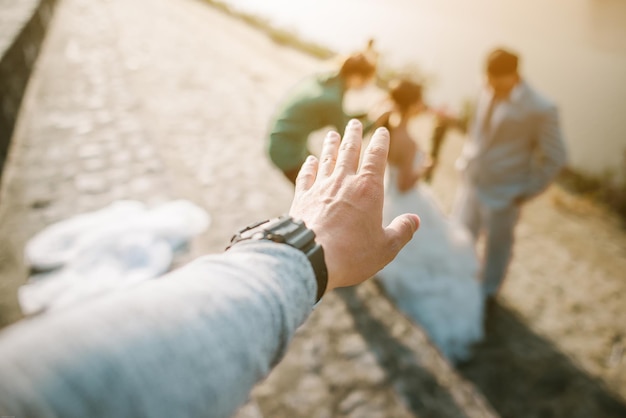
{"points": [[164, 99]]}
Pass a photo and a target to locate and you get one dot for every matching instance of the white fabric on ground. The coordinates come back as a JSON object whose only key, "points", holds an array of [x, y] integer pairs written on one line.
{"points": [[112, 248]]}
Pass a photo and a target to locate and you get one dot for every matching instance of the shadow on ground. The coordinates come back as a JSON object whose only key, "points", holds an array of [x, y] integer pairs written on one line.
{"points": [[520, 373], [425, 397], [515, 363]]}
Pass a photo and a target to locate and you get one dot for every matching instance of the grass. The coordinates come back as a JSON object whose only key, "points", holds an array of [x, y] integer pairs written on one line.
{"points": [[608, 189], [280, 36], [293, 40]]}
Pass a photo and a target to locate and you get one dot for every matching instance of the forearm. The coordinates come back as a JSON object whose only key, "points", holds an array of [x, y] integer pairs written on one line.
{"points": [[190, 344]]}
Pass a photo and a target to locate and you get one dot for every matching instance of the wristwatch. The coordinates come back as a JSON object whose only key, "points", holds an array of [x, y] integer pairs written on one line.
{"points": [[286, 230]]}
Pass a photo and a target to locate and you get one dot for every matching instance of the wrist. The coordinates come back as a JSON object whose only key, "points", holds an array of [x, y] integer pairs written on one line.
{"points": [[294, 233]]}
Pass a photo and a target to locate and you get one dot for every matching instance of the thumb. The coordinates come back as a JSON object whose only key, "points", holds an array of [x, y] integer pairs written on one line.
{"points": [[400, 231]]}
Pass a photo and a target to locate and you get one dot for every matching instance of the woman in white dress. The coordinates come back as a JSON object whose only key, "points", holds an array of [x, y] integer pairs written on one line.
{"points": [[433, 280]]}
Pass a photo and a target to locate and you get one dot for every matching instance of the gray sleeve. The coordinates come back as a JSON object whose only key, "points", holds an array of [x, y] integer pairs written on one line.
{"points": [[192, 343], [550, 154]]}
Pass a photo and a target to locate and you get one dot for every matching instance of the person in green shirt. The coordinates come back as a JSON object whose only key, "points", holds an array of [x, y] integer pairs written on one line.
{"points": [[315, 103]]}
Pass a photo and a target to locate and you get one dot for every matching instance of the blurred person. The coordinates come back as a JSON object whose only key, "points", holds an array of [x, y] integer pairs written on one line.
{"points": [[434, 278], [194, 343], [514, 150], [315, 103], [444, 121]]}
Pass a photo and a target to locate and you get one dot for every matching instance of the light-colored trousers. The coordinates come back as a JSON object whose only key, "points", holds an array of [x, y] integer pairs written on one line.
{"points": [[498, 224]]}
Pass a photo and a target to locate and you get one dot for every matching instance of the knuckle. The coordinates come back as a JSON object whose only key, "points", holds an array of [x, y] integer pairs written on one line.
{"points": [[395, 245], [332, 139], [303, 174], [303, 179], [349, 146], [329, 159], [371, 176], [369, 187], [377, 150]]}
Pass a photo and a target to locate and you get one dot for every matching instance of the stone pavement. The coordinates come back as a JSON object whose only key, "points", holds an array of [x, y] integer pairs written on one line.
{"points": [[163, 99]]}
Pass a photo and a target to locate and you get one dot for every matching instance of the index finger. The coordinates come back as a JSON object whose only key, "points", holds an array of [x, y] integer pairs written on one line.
{"points": [[375, 158]]}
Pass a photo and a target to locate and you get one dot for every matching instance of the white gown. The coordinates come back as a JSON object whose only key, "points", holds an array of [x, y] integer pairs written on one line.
{"points": [[433, 280]]}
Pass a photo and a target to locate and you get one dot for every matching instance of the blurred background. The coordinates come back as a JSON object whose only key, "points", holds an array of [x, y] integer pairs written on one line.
{"points": [[159, 100], [574, 52]]}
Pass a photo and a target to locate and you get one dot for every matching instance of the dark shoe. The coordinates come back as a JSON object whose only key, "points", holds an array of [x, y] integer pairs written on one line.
{"points": [[491, 305]]}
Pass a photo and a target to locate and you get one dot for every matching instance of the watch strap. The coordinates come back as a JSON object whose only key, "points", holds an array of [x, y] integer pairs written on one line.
{"points": [[293, 232]]}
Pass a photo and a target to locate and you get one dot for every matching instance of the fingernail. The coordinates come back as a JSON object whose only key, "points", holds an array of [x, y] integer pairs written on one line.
{"points": [[354, 123], [310, 159], [382, 131]]}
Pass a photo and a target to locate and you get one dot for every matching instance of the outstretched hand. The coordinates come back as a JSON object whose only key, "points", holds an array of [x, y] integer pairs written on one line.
{"points": [[343, 203]]}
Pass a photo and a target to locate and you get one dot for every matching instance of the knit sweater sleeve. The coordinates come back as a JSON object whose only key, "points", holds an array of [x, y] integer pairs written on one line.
{"points": [[192, 343]]}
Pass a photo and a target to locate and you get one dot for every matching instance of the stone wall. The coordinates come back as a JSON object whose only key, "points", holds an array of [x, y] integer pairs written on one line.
{"points": [[23, 26]]}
